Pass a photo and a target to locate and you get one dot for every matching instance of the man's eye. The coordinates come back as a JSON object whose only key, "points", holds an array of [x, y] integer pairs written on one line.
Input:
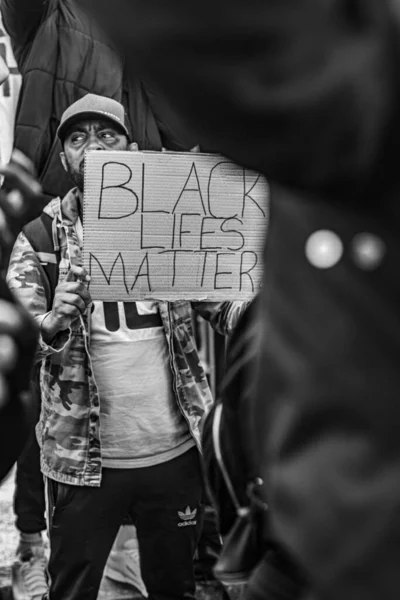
{"points": [[76, 138], [108, 135]]}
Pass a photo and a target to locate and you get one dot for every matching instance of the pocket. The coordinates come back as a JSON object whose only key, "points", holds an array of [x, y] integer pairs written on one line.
{"points": [[63, 493], [59, 495]]}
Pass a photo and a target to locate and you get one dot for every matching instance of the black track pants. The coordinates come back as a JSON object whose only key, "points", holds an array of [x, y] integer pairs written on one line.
{"points": [[165, 502]]}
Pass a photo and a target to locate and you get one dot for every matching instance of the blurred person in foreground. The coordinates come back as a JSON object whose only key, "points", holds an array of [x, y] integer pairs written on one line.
{"points": [[262, 566], [19, 202], [62, 56], [308, 92], [102, 459]]}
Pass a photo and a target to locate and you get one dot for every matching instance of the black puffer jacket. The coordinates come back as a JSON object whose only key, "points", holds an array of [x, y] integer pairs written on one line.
{"points": [[62, 56]]}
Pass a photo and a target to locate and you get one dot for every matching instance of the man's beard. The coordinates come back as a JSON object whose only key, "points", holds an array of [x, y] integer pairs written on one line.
{"points": [[77, 176]]}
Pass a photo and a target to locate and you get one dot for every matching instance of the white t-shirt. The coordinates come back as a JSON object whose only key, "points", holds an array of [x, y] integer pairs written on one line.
{"points": [[140, 422]]}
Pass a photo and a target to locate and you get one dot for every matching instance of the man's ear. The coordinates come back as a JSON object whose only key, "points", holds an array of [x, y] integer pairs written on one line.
{"points": [[63, 161], [133, 147]]}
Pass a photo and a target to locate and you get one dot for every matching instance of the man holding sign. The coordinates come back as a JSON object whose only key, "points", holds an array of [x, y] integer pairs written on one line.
{"points": [[124, 394]]}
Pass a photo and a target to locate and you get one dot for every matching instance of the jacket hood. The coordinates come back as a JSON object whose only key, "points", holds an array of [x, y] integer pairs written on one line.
{"points": [[66, 209]]}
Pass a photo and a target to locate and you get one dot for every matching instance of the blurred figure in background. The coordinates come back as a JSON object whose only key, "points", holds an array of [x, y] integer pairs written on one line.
{"points": [[308, 93], [9, 93], [62, 56]]}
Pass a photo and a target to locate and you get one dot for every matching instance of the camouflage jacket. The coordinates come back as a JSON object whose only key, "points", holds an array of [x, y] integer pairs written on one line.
{"points": [[69, 427]]}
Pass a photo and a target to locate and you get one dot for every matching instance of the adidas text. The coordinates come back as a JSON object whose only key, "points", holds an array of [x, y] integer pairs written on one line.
{"points": [[187, 523]]}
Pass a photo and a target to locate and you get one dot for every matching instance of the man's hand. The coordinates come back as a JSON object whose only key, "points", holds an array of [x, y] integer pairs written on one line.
{"points": [[71, 299]]}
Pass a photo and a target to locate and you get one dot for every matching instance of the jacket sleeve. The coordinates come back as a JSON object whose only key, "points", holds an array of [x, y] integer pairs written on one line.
{"points": [[21, 18], [222, 316], [25, 279], [270, 83]]}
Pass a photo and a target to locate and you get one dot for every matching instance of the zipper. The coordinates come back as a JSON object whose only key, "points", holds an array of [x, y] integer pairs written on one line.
{"points": [[86, 342], [85, 338], [174, 378]]}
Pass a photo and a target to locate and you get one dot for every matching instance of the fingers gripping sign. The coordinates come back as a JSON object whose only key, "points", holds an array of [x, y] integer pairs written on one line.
{"points": [[71, 299], [77, 273]]}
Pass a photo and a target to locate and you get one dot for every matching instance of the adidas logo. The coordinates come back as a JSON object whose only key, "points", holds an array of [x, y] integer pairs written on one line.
{"points": [[188, 514], [187, 517]]}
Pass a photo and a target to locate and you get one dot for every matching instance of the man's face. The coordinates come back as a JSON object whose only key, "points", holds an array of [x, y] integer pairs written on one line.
{"points": [[85, 136]]}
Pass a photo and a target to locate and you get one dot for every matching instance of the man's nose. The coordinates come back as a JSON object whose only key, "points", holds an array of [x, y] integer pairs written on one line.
{"points": [[94, 143]]}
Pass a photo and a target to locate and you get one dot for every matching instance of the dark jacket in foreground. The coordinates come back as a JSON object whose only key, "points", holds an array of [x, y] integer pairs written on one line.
{"points": [[307, 91], [16, 414], [62, 56], [237, 387]]}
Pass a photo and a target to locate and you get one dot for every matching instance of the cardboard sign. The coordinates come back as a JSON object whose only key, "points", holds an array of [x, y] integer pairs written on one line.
{"points": [[172, 226]]}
